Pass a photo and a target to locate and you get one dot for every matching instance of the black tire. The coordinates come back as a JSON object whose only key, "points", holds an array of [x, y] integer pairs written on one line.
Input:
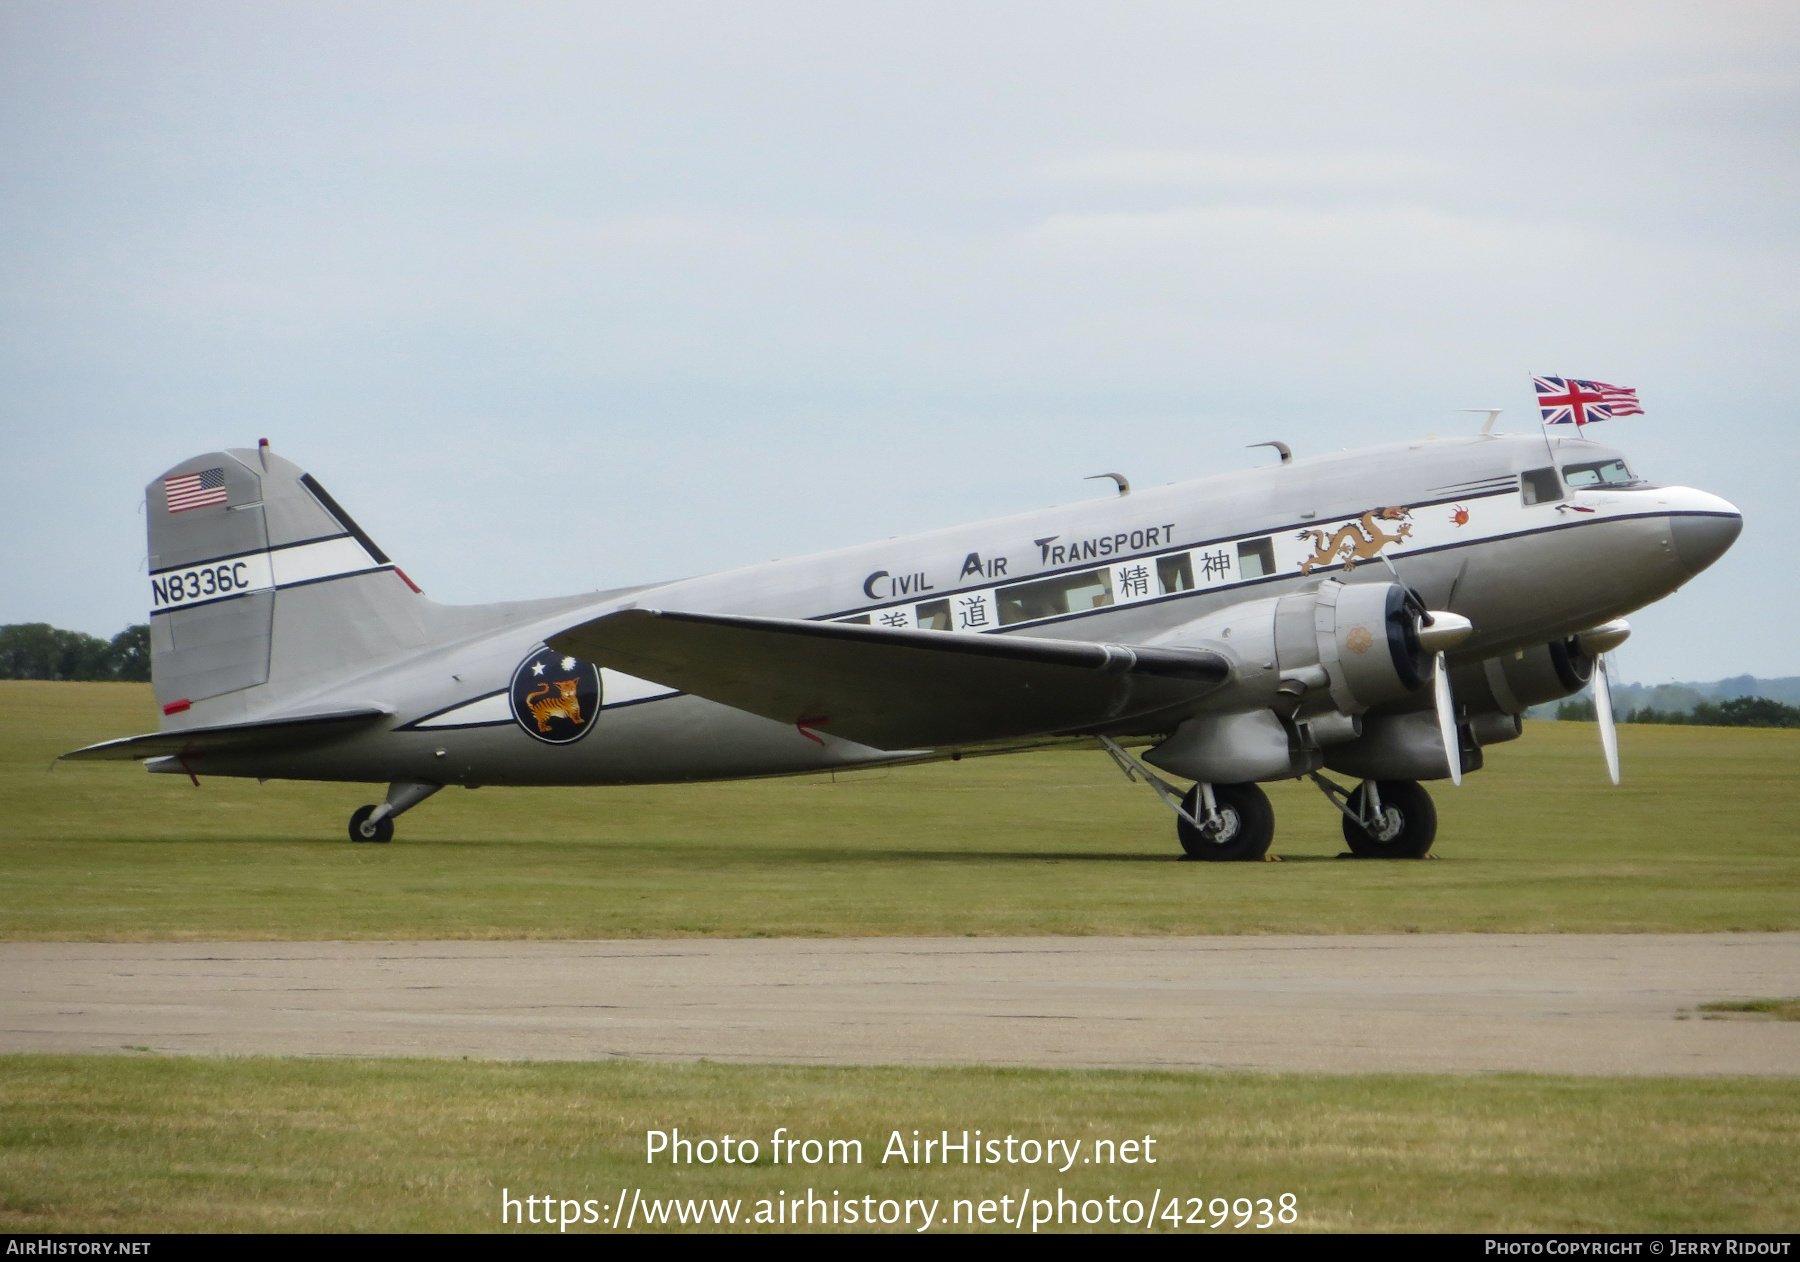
{"points": [[361, 830], [1249, 824], [1410, 822]]}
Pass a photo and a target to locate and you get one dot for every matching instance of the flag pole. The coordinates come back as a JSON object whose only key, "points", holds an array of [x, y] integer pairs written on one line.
{"points": [[1543, 424]]}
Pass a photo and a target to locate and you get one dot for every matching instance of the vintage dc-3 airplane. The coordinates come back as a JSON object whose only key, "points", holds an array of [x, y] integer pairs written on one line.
{"points": [[1384, 614]]}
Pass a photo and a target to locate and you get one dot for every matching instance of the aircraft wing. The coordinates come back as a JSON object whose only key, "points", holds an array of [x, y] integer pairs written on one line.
{"points": [[234, 738], [892, 688]]}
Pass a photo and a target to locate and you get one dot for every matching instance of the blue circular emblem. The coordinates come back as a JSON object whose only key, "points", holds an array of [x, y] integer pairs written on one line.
{"points": [[555, 697]]}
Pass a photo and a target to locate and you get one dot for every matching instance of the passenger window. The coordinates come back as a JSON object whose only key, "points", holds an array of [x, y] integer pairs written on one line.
{"points": [[934, 615], [1540, 486], [861, 618], [1600, 473], [1046, 598], [1256, 557], [1175, 574]]}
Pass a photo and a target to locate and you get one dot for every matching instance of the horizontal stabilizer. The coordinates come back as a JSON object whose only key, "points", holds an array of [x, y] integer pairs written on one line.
{"points": [[894, 688], [236, 738]]}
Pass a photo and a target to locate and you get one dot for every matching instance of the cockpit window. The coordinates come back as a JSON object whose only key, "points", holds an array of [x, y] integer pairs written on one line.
{"points": [[1540, 486], [1600, 473]]}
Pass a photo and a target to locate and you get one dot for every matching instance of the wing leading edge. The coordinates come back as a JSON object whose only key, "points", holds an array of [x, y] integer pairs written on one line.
{"points": [[893, 688]]}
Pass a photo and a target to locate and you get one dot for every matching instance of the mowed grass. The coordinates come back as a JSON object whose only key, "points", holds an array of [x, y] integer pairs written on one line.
{"points": [[174, 1144], [1702, 836], [1775, 1009]]}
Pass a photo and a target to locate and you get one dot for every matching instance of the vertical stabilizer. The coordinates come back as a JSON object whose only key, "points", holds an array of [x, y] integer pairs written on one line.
{"points": [[263, 587]]}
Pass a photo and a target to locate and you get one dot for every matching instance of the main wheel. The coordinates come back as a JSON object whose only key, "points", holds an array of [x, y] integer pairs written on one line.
{"points": [[1245, 827], [362, 830], [1406, 829]]}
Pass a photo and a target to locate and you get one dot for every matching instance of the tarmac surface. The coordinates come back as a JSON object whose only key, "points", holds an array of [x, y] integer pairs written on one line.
{"points": [[1457, 1003]]}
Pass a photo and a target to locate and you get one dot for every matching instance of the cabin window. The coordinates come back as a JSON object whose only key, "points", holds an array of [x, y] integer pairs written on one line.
{"points": [[934, 615], [1046, 598], [1599, 473], [1175, 574], [1256, 557], [1540, 486], [862, 619]]}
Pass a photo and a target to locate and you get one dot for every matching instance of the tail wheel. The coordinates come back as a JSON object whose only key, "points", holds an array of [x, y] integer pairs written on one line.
{"points": [[361, 829], [1406, 829], [1243, 829]]}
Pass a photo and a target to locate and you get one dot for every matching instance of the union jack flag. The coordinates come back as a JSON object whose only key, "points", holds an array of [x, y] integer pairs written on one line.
{"points": [[1572, 401]]}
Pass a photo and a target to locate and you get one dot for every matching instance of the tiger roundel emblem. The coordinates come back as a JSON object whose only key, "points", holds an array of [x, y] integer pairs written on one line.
{"points": [[555, 697]]}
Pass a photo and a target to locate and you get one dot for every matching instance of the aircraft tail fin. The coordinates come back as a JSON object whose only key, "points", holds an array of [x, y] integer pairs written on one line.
{"points": [[262, 587]]}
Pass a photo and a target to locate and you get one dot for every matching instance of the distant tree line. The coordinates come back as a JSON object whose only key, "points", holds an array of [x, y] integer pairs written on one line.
{"points": [[37, 650], [1736, 712]]}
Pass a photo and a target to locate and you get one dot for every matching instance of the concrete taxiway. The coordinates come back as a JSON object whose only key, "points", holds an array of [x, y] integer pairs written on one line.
{"points": [[1458, 1003]]}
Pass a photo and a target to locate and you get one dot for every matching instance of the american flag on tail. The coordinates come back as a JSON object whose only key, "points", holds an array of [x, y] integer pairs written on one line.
{"points": [[1573, 401], [195, 490]]}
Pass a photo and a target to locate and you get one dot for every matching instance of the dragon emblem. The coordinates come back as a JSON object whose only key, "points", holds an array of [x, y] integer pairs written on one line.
{"points": [[1358, 541]]}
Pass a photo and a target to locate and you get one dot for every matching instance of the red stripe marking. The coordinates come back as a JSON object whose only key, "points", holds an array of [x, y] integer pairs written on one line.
{"points": [[804, 724], [408, 581]]}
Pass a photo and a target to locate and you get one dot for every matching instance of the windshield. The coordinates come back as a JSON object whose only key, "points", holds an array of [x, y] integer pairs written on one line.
{"points": [[1599, 473]]}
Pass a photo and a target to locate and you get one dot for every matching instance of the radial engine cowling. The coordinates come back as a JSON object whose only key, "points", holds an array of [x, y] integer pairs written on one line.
{"points": [[1337, 650], [1365, 638], [1510, 684]]}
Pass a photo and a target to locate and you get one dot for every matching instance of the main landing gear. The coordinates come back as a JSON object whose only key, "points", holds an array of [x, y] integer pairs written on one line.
{"points": [[1217, 822], [1386, 819], [376, 823], [1237, 823]]}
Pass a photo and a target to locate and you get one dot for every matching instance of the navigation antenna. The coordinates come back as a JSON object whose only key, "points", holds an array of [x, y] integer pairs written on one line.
{"points": [[1487, 428], [1120, 478], [1287, 456]]}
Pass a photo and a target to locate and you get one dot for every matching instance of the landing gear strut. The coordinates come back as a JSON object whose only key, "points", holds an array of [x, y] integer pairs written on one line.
{"points": [[1213, 821], [1241, 825], [1384, 819], [376, 823]]}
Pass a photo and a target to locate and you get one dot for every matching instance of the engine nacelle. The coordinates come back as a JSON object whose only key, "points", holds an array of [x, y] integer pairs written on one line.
{"points": [[1399, 747], [1308, 665], [1343, 647], [1234, 749], [1364, 637], [1511, 684]]}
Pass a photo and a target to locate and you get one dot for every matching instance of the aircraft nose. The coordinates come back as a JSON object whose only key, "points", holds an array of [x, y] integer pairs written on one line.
{"points": [[1701, 538]]}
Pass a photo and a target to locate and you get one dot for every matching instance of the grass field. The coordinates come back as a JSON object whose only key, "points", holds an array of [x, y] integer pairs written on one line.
{"points": [[1704, 835], [172, 1144], [1701, 837]]}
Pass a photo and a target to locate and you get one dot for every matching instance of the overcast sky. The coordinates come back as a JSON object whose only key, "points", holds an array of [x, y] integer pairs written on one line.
{"points": [[556, 297]]}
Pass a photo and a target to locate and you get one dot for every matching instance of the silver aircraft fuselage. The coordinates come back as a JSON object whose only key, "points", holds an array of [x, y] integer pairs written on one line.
{"points": [[1461, 521]]}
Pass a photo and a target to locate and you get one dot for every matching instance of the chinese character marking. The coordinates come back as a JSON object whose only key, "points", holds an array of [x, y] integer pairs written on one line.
{"points": [[894, 618], [1134, 580], [1214, 564], [971, 611]]}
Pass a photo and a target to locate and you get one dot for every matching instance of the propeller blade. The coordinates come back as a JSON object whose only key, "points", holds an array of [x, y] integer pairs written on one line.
{"points": [[1446, 717], [1603, 711]]}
